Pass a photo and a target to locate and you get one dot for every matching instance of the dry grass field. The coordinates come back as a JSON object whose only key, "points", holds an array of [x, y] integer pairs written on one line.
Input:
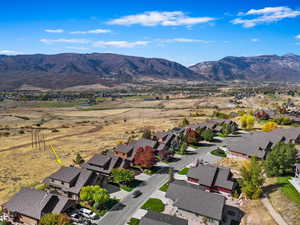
{"points": [[87, 130]]}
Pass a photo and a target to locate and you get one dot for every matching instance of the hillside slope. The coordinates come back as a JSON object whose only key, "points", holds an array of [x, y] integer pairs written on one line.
{"points": [[265, 67], [68, 70]]}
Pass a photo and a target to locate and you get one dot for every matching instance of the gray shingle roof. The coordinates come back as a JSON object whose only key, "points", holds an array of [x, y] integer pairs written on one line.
{"points": [[197, 201], [104, 163], [204, 173], [125, 148], [65, 174], [34, 203], [255, 144], [210, 175], [156, 218], [133, 146], [84, 177], [99, 160]]}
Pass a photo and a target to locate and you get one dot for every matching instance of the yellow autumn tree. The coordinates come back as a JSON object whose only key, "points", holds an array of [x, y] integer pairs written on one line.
{"points": [[247, 121], [269, 126], [120, 142]]}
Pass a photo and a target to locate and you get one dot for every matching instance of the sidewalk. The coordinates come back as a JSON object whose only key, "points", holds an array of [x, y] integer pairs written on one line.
{"points": [[276, 216]]}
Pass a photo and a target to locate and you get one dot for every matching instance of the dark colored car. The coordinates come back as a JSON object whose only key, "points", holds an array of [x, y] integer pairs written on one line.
{"points": [[136, 193]]}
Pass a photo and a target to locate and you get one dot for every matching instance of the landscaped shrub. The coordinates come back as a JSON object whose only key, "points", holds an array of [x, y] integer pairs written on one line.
{"points": [[219, 152], [282, 120]]}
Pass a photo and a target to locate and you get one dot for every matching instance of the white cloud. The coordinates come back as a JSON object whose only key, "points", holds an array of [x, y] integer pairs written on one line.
{"points": [[97, 31], [255, 40], [184, 40], [54, 30], [297, 36], [10, 52], [155, 18], [265, 15], [119, 44], [77, 48], [62, 40]]}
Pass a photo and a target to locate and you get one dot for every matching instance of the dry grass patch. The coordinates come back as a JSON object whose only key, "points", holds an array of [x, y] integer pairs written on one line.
{"points": [[256, 214]]}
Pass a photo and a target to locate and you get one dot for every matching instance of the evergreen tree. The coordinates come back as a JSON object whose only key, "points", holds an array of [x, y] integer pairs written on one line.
{"points": [[208, 135], [147, 134], [184, 122], [78, 160], [281, 159], [171, 175]]}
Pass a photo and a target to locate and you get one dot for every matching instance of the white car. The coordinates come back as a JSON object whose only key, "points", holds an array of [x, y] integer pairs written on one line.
{"points": [[87, 213], [75, 217]]}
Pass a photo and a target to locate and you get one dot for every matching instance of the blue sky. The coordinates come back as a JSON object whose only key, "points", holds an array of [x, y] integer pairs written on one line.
{"points": [[188, 31]]}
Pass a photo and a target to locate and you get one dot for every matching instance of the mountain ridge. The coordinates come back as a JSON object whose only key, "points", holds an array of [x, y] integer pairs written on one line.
{"points": [[65, 70], [263, 67], [69, 69]]}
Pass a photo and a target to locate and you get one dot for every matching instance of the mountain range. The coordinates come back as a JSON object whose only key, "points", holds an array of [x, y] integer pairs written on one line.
{"points": [[70, 70]]}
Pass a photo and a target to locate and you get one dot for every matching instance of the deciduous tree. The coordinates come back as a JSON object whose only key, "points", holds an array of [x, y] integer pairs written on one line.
{"points": [[122, 176], [269, 126], [54, 219], [144, 157], [247, 121], [252, 178], [95, 195], [192, 137]]}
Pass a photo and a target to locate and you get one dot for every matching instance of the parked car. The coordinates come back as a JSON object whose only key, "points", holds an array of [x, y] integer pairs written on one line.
{"points": [[87, 213], [75, 217], [136, 193]]}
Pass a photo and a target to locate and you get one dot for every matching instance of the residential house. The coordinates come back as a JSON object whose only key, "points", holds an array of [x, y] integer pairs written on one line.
{"points": [[156, 218], [29, 205], [212, 178], [165, 140], [68, 181], [103, 165], [252, 145], [193, 202], [259, 144], [128, 151]]}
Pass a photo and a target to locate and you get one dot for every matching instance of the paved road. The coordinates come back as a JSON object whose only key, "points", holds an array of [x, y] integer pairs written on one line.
{"points": [[120, 214]]}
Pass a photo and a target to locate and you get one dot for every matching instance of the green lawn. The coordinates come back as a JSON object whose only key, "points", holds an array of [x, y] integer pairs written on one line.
{"points": [[219, 152], [288, 190], [184, 171], [134, 221], [165, 187], [154, 204]]}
